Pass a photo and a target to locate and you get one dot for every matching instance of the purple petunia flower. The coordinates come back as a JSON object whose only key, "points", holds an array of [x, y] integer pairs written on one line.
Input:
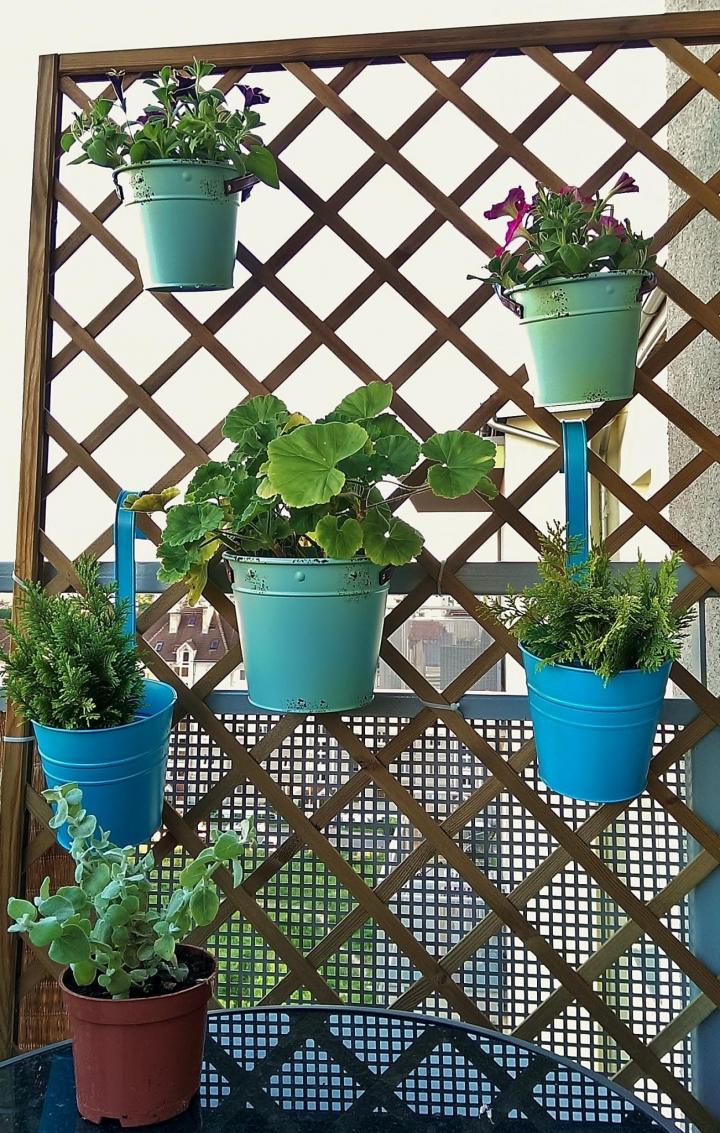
{"points": [[588, 204], [624, 184], [254, 96], [607, 225], [513, 204]]}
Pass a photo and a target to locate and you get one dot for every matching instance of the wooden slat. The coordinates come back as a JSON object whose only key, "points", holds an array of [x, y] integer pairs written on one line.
{"points": [[569, 35], [27, 562]]}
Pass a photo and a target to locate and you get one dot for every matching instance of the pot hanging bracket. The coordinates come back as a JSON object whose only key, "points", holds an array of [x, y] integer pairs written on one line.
{"points": [[575, 467], [240, 184], [126, 533]]}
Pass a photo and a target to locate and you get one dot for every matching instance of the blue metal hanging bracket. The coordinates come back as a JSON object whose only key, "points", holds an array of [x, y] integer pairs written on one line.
{"points": [[575, 467], [125, 535]]}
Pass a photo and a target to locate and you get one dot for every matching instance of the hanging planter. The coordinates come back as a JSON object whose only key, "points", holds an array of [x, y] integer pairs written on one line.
{"points": [[185, 220], [576, 284], [594, 740], [298, 510], [179, 167], [75, 673], [331, 613], [582, 335], [136, 998], [597, 649], [120, 770]]}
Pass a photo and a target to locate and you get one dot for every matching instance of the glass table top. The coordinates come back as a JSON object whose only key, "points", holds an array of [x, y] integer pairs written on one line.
{"points": [[327, 1068]]}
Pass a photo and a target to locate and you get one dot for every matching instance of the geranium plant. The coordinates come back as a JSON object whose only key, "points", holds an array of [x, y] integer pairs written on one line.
{"points": [[107, 927], [583, 614], [569, 233], [292, 488], [185, 120]]}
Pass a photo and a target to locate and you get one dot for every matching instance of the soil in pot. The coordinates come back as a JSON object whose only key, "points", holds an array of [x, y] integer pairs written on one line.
{"points": [[139, 1060]]}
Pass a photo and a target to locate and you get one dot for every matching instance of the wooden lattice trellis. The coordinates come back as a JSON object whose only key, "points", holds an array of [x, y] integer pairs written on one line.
{"points": [[445, 61]]}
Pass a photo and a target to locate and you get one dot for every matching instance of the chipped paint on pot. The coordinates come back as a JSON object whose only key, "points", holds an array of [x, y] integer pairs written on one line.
{"points": [[582, 335], [310, 631]]}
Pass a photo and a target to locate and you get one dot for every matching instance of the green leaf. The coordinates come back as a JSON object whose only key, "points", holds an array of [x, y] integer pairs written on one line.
{"points": [[85, 828], [266, 408], [237, 872], [389, 540], [192, 873], [464, 461], [164, 947], [57, 906], [96, 150], [176, 561], [151, 501], [60, 814], [261, 162], [43, 932], [365, 402], [72, 947], [97, 879], [604, 246], [210, 481], [575, 258], [338, 540], [76, 895], [118, 982], [188, 522], [67, 141], [176, 903], [117, 915], [204, 904], [84, 973], [228, 847], [17, 908], [302, 465]]}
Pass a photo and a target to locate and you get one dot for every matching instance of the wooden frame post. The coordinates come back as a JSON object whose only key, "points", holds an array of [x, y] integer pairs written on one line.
{"points": [[27, 557]]}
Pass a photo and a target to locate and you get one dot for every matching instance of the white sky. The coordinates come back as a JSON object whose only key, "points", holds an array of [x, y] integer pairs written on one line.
{"points": [[80, 25]]}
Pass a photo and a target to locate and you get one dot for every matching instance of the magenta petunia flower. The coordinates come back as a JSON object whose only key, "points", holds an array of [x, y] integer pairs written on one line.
{"points": [[513, 204], [572, 191], [606, 225]]}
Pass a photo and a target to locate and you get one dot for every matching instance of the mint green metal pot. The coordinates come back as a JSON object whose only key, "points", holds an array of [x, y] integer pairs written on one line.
{"points": [[582, 335], [310, 631], [186, 219]]}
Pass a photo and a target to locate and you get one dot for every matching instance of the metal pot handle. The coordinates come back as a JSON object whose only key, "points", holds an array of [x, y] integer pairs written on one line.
{"points": [[508, 301], [125, 536], [118, 186], [238, 184], [647, 284]]}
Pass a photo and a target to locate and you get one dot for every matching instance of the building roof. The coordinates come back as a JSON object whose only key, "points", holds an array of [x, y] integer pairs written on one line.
{"points": [[209, 646]]}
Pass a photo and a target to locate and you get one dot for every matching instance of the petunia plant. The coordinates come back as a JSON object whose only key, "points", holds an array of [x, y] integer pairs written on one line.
{"points": [[293, 488], [185, 120], [569, 233], [108, 927]]}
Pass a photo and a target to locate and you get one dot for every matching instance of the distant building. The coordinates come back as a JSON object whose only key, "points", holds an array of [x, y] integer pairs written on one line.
{"points": [[191, 639]]}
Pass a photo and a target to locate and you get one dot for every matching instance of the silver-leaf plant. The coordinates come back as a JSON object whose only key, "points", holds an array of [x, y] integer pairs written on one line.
{"points": [[106, 928]]}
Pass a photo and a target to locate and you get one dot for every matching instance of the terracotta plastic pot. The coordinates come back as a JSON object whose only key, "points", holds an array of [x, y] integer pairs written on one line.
{"points": [[138, 1060]]}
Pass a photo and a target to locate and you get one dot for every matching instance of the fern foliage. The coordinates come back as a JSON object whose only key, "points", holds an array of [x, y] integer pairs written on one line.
{"points": [[586, 616], [72, 665]]}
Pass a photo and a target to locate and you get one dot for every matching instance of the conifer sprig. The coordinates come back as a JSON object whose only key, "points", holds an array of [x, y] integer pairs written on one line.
{"points": [[584, 615], [72, 664]]}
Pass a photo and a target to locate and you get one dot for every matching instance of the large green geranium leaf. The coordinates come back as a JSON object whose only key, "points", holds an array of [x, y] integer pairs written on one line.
{"points": [[392, 451], [211, 481], [256, 411], [188, 522], [389, 540], [363, 403], [339, 540], [175, 561], [464, 461], [302, 466]]}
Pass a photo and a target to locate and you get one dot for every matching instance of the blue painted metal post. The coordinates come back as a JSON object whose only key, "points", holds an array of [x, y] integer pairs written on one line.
{"points": [[575, 467], [125, 536]]}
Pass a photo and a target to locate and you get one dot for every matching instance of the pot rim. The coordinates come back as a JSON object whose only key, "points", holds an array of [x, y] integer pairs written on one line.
{"points": [[591, 672], [643, 273], [176, 161], [230, 557], [114, 727], [148, 998]]}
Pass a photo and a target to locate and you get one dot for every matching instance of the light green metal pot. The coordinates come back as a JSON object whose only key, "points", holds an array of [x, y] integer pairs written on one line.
{"points": [[310, 630], [582, 335], [186, 217]]}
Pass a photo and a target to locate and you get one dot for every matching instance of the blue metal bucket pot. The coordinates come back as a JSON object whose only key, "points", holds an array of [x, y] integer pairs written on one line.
{"points": [[121, 770], [310, 631], [594, 742]]}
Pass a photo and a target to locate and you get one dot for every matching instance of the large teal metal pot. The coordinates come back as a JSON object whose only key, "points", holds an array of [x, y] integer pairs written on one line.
{"points": [[186, 214], [310, 631], [582, 335], [594, 741], [121, 770]]}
